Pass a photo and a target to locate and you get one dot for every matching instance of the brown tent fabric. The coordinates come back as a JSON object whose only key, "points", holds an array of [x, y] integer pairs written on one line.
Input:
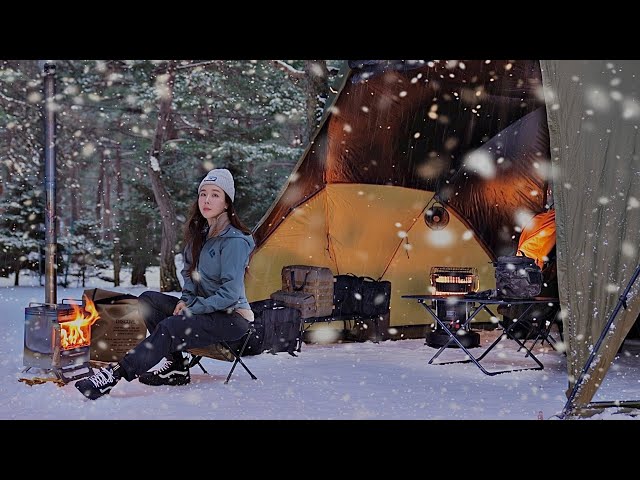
{"points": [[492, 205], [415, 129], [397, 138], [593, 112]]}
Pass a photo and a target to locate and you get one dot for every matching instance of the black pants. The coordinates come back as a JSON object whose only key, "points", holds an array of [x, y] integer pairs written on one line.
{"points": [[176, 333]]}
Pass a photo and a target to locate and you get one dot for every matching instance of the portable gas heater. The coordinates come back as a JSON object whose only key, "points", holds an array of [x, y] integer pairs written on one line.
{"points": [[452, 282]]}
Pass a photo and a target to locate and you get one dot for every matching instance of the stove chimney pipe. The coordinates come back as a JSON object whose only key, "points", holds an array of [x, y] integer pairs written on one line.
{"points": [[49, 72]]}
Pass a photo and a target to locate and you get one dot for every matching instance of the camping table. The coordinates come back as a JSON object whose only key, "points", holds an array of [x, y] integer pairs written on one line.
{"points": [[477, 305]]}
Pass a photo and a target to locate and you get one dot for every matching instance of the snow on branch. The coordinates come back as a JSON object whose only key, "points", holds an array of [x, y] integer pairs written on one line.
{"points": [[292, 72], [197, 64], [9, 99]]}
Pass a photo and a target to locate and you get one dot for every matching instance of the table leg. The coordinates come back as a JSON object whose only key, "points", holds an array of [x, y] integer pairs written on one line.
{"points": [[471, 358], [452, 337]]}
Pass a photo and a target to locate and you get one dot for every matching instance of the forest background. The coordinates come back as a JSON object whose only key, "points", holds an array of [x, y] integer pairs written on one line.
{"points": [[133, 140]]}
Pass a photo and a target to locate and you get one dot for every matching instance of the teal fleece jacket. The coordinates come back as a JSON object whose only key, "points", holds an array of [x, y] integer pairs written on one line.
{"points": [[219, 284]]}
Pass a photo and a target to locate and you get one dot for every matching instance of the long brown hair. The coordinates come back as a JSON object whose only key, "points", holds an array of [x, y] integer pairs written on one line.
{"points": [[195, 228]]}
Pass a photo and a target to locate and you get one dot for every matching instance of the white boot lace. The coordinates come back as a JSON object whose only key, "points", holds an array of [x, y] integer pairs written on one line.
{"points": [[168, 365], [103, 377]]}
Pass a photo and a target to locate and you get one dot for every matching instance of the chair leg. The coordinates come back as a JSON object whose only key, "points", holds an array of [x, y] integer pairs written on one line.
{"points": [[195, 360], [236, 361], [238, 355], [202, 368]]}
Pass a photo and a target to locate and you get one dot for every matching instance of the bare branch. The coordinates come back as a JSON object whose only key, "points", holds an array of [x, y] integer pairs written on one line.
{"points": [[13, 100], [292, 73], [186, 122], [198, 64]]}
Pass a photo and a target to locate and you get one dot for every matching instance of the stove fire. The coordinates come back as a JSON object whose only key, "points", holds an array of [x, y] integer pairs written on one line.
{"points": [[57, 337], [77, 332]]}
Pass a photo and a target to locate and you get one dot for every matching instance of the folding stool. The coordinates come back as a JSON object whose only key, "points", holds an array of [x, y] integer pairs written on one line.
{"points": [[223, 351]]}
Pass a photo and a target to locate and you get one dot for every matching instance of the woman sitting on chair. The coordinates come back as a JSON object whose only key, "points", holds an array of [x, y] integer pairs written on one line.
{"points": [[213, 306]]}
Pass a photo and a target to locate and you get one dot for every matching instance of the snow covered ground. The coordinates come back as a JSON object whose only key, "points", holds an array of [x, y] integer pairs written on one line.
{"points": [[390, 380]]}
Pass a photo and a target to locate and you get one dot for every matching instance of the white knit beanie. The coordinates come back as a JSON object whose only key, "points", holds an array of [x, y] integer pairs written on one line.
{"points": [[222, 178]]}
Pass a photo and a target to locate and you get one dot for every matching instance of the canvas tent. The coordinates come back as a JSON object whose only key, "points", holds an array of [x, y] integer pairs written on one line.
{"points": [[488, 140]]}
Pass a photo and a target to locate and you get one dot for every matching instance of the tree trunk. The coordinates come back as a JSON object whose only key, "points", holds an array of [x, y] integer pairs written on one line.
{"points": [[116, 236], [75, 195], [16, 282], [138, 272], [317, 89], [107, 207], [116, 262], [168, 277], [66, 272], [100, 187]]}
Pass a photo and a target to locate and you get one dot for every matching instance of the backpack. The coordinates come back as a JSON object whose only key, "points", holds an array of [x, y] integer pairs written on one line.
{"points": [[278, 327], [254, 346], [517, 277]]}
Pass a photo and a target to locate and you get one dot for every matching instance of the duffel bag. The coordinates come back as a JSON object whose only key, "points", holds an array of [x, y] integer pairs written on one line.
{"points": [[376, 296], [345, 289]]}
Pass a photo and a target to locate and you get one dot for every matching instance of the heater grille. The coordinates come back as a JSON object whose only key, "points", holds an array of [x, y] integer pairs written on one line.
{"points": [[454, 280]]}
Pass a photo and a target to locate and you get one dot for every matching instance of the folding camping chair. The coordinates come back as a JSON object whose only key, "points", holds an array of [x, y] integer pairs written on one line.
{"points": [[223, 351], [541, 330]]}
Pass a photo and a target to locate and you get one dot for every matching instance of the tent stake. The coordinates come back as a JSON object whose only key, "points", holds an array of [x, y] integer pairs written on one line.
{"points": [[622, 302]]}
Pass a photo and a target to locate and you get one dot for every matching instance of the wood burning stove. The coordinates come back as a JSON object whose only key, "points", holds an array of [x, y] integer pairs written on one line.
{"points": [[451, 282], [57, 337]]}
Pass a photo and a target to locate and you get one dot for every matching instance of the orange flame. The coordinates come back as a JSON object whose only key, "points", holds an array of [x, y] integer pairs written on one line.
{"points": [[77, 332]]}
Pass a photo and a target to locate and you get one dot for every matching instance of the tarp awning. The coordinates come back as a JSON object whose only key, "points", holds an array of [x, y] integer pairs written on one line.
{"points": [[593, 111]]}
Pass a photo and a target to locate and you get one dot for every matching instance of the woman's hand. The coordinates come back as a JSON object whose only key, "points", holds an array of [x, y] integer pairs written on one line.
{"points": [[179, 308]]}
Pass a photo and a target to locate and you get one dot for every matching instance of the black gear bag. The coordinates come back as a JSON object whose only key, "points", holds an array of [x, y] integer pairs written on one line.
{"points": [[517, 277]]}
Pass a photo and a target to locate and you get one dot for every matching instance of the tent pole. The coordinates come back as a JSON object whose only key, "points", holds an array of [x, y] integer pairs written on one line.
{"points": [[614, 403], [622, 302]]}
